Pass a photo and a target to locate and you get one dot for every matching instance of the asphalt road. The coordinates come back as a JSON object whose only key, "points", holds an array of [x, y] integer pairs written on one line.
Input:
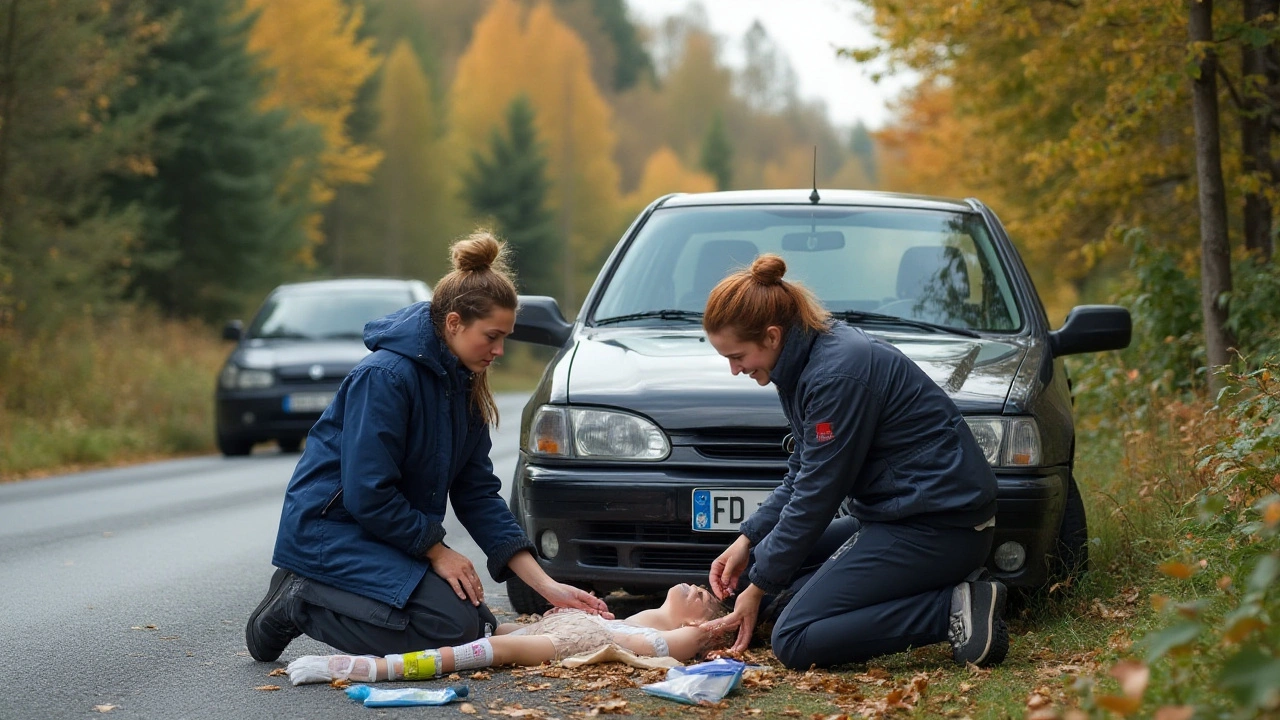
{"points": [[130, 587]]}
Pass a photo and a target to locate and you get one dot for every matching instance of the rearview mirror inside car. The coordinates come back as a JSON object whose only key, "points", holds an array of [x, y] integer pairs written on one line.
{"points": [[813, 241]]}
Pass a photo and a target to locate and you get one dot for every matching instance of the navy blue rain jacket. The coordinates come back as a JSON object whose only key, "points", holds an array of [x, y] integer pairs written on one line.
{"points": [[368, 497], [871, 426]]}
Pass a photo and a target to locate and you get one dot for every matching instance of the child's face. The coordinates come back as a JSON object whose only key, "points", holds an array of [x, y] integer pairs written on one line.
{"points": [[691, 604]]}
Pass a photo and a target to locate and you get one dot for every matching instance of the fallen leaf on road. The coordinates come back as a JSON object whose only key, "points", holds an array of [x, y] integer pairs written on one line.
{"points": [[277, 672], [339, 683], [612, 706], [481, 676], [530, 687], [105, 708], [267, 688], [144, 627], [467, 709], [169, 637]]}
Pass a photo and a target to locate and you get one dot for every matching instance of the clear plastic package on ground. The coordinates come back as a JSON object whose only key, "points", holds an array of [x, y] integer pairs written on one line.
{"points": [[702, 684], [404, 697]]}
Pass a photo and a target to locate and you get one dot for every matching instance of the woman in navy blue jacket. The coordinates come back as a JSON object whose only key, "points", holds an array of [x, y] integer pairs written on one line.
{"points": [[363, 563], [871, 428]]}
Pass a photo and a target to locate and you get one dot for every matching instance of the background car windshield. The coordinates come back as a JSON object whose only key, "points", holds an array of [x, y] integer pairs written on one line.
{"points": [[927, 265], [324, 316]]}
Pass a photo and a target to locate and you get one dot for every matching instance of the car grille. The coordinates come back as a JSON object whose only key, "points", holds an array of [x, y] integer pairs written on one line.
{"points": [[647, 547], [738, 444]]}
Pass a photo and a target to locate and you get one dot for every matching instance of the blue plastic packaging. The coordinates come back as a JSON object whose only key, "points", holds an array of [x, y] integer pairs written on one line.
{"points": [[404, 697], [703, 684]]}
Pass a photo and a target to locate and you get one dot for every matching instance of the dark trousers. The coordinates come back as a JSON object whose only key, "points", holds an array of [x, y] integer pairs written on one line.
{"points": [[433, 617], [871, 589]]}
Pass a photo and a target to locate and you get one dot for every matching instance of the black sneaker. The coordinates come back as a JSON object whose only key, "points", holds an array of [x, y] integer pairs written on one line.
{"points": [[978, 633], [269, 630]]}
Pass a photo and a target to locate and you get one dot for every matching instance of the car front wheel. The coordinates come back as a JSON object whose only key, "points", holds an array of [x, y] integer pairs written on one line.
{"points": [[1072, 556], [524, 599], [234, 445]]}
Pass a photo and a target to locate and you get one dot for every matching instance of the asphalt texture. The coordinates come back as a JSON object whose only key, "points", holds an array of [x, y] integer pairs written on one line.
{"points": [[130, 588]]}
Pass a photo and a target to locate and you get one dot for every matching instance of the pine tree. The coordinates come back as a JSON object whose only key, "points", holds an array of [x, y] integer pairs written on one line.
{"points": [[717, 153], [511, 185], [227, 205], [62, 132]]}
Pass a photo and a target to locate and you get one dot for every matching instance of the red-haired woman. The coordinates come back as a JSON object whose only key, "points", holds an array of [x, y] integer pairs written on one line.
{"points": [[905, 569]]}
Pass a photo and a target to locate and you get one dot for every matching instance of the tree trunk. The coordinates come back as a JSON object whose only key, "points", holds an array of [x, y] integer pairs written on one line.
{"points": [[8, 91], [1259, 71], [1215, 248]]}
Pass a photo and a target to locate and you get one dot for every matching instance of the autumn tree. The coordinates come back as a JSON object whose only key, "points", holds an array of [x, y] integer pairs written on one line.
{"points": [[317, 62], [63, 66], [515, 52], [227, 203], [509, 184], [862, 145], [664, 173]]}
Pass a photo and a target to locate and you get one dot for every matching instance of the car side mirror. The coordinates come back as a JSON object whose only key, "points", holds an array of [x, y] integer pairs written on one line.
{"points": [[233, 330], [539, 320], [1092, 328]]}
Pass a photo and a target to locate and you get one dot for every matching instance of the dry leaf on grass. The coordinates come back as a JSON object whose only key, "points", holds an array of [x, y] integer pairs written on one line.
{"points": [[267, 688], [1175, 712], [791, 712], [104, 708], [277, 672]]}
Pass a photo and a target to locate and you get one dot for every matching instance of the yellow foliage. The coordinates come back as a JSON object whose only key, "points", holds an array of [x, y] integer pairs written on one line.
{"points": [[514, 52], [664, 173], [317, 65]]}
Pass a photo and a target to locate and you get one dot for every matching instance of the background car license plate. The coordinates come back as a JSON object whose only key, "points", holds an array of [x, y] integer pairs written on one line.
{"points": [[724, 508], [307, 402]]}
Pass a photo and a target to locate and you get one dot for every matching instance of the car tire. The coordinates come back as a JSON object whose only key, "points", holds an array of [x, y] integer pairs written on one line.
{"points": [[234, 445], [1071, 557], [289, 445], [523, 598]]}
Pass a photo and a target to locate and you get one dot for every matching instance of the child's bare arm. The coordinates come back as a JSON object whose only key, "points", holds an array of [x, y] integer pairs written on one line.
{"points": [[685, 643]]}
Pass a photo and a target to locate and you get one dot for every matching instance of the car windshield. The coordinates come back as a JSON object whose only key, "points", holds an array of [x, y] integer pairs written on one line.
{"points": [[930, 266], [325, 315]]}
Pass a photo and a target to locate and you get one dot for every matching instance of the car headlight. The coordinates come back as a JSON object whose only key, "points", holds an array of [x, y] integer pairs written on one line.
{"points": [[558, 431], [234, 377], [1007, 441]]}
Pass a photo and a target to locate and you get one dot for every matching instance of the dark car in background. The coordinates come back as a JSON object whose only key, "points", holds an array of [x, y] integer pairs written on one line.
{"points": [[642, 453], [288, 364]]}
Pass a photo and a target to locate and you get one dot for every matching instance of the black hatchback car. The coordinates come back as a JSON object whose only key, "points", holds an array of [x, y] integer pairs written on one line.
{"points": [[287, 366], [642, 453]]}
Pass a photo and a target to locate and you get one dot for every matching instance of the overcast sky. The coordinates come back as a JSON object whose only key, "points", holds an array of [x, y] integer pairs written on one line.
{"points": [[809, 32]]}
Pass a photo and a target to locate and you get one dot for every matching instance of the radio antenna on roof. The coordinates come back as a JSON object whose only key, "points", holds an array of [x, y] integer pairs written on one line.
{"points": [[813, 196]]}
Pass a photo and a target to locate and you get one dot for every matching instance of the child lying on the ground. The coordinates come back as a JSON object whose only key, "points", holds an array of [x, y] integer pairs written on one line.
{"points": [[672, 630]]}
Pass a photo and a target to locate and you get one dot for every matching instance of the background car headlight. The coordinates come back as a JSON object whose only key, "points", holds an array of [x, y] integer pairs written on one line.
{"points": [[596, 434], [234, 377], [1007, 441]]}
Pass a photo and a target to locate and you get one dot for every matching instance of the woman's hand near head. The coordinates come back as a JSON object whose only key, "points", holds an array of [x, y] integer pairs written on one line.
{"points": [[458, 571], [727, 568], [743, 618]]}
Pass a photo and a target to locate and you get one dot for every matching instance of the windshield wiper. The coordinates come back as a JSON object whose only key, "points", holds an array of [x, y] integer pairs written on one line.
{"points": [[670, 314], [860, 317]]}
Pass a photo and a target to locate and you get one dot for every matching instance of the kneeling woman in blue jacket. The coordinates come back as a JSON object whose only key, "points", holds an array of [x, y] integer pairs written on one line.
{"points": [[363, 564], [904, 570]]}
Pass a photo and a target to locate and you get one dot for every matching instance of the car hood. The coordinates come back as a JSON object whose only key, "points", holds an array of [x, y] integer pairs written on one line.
{"points": [[676, 378], [336, 356]]}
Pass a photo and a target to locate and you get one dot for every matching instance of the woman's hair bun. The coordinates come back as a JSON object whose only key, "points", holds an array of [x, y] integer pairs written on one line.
{"points": [[768, 269], [477, 252]]}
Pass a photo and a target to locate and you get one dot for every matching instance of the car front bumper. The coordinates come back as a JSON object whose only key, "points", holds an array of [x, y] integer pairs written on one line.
{"points": [[632, 528], [258, 415]]}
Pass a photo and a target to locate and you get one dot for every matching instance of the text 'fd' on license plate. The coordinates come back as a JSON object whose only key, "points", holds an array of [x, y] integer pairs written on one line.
{"points": [[724, 508]]}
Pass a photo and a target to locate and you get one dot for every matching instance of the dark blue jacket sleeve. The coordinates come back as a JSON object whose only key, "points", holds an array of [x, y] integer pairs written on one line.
{"points": [[476, 495], [839, 424], [766, 516], [375, 426]]}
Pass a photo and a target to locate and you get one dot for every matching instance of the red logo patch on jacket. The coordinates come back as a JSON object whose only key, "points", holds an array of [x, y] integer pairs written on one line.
{"points": [[823, 431]]}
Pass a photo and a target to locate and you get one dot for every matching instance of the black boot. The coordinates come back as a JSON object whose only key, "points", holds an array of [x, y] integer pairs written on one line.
{"points": [[270, 630]]}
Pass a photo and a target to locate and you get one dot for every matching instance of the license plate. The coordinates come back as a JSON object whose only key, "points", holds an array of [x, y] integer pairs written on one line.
{"points": [[719, 509], [307, 402]]}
